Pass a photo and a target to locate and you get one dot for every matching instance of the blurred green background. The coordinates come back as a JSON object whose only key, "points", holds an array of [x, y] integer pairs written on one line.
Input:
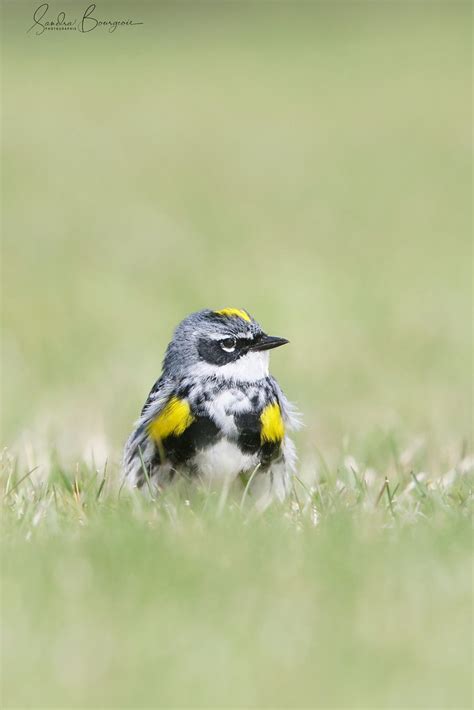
{"points": [[307, 161]]}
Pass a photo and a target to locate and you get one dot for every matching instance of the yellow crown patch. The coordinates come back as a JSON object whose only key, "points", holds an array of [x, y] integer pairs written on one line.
{"points": [[237, 312]]}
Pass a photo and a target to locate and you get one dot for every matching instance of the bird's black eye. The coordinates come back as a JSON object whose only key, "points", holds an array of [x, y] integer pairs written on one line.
{"points": [[228, 344]]}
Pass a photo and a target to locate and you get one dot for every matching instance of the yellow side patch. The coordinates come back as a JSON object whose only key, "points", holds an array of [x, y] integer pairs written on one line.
{"points": [[234, 312], [172, 421], [273, 428]]}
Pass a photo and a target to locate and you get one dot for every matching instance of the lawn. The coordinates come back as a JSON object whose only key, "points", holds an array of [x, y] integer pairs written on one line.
{"points": [[310, 162], [351, 595]]}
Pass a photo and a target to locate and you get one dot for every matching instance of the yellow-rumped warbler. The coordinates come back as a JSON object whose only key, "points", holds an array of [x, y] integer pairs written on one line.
{"points": [[216, 412]]}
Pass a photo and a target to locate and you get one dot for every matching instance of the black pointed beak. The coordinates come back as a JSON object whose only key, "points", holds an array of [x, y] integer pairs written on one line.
{"points": [[267, 342]]}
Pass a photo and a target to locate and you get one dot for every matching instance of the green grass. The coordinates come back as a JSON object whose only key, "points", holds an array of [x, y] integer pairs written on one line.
{"points": [[309, 162], [352, 594]]}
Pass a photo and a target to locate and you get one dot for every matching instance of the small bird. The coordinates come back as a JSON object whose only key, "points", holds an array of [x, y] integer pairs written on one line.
{"points": [[216, 412]]}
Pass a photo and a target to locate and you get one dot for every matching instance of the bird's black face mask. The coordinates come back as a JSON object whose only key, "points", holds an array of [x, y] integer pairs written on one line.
{"points": [[230, 348]]}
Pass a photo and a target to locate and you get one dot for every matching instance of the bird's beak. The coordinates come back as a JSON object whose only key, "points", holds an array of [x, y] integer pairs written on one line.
{"points": [[267, 342]]}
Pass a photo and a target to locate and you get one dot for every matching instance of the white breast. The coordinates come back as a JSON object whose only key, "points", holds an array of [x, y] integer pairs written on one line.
{"points": [[224, 405], [223, 461]]}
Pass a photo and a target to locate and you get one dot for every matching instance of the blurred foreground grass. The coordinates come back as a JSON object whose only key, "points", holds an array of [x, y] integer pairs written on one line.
{"points": [[351, 595]]}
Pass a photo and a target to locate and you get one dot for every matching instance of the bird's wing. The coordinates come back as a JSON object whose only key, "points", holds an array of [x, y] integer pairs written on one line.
{"points": [[159, 396], [291, 415]]}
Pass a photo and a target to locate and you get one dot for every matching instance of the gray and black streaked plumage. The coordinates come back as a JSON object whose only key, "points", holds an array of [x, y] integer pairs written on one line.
{"points": [[215, 412]]}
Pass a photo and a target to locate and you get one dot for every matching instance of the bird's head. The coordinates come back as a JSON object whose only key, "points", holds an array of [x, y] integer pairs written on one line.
{"points": [[227, 343]]}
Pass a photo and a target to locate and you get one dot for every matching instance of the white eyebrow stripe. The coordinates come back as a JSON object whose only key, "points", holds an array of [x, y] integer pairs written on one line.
{"points": [[222, 336]]}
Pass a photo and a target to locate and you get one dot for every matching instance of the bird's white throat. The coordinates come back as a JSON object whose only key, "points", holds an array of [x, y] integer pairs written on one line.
{"points": [[249, 368]]}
